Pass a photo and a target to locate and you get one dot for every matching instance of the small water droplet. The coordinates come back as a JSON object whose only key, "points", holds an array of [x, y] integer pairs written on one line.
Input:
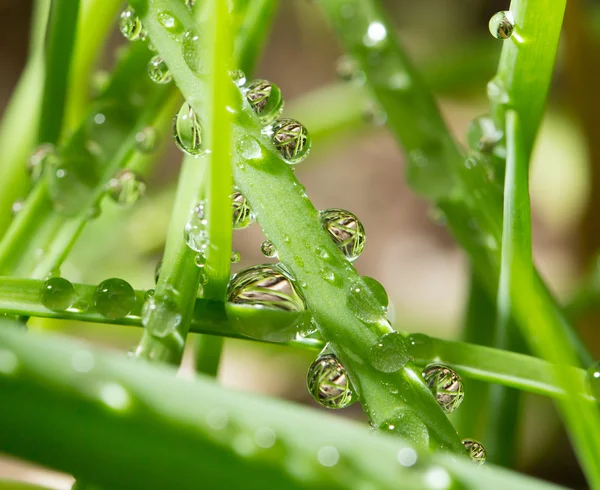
{"points": [[164, 313], [438, 478], [130, 24], [502, 25], [593, 377], [328, 456], [38, 160], [475, 450], [146, 140], [242, 214], [390, 353], [363, 304], [187, 131], [249, 150], [57, 294], [158, 71], [266, 100], [497, 92], [446, 385], [346, 230], [169, 22], [114, 298], [235, 257], [200, 260], [126, 188], [238, 77], [407, 456], [190, 3], [268, 249], [8, 362], [265, 437], [115, 396], [374, 114], [157, 268], [328, 275], [291, 140], [16, 207], [148, 294], [408, 425], [195, 231], [217, 419], [82, 361], [348, 69], [376, 35], [190, 48], [482, 134], [328, 382]]}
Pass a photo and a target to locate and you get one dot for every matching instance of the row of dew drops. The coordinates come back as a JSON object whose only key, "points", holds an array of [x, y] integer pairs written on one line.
{"points": [[264, 285]]}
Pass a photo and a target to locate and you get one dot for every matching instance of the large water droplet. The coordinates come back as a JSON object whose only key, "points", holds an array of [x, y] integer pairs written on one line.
{"points": [[446, 385], [263, 302], [328, 382], [268, 249], [190, 48], [390, 353], [502, 24], [114, 298], [187, 131], [126, 188], [169, 22], [130, 24], [242, 214], [408, 425], [378, 291], [195, 231], [266, 100], [346, 230], [158, 71], [475, 450], [291, 140], [57, 294], [39, 159]]}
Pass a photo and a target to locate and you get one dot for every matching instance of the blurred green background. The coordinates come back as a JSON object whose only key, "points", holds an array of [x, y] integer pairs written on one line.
{"points": [[361, 169]]}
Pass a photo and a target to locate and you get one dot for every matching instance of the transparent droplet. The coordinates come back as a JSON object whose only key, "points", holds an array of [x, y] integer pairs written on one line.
{"points": [[263, 302], [16, 207], [158, 71], [187, 131], [200, 260], [376, 35], [446, 385], [502, 24], [266, 100], [130, 24], [593, 377], [364, 304], [169, 22], [408, 425], [235, 257], [291, 140], [328, 275], [38, 160], [390, 353], [242, 214], [328, 456], [126, 188], [161, 311], [328, 382], [475, 450], [482, 134], [57, 294], [378, 291], [497, 91], [146, 140], [196, 231], [268, 249], [148, 294], [349, 70], [114, 298], [157, 268], [238, 77], [346, 231], [190, 48]]}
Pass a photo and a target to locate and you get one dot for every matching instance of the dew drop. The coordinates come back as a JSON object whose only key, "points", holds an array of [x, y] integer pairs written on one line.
{"points": [[8, 362], [169, 22], [146, 140], [114, 298], [376, 35], [235, 257], [593, 377], [250, 150], [57, 294], [238, 77], [502, 25], [390, 353], [126, 188], [195, 231], [378, 291], [16, 207], [363, 304], [408, 425], [190, 48], [328, 382], [242, 214], [263, 302], [39, 159], [115, 396], [130, 24], [328, 275], [200, 260], [346, 230], [162, 310], [475, 450], [268, 249], [190, 3], [187, 131], [407, 456], [497, 92], [265, 437], [373, 114], [348, 69], [482, 134], [82, 361], [217, 419], [291, 140], [438, 478], [328, 456], [158, 71], [148, 294], [446, 385], [266, 100]]}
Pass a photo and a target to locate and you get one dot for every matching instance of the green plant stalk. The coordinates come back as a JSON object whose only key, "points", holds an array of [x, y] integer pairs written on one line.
{"points": [[542, 330], [136, 415], [62, 27], [21, 297]]}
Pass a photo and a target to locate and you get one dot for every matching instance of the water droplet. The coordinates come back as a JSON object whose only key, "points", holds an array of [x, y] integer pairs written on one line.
{"points": [[190, 3], [157, 268], [126, 188], [475, 450], [266, 100], [268, 249], [115, 396], [346, 230], [238, 77], [242, 214], [261, 302], [328, 456], [146, 140], [376, 35], [169, 22], [8, 362], [446, 385], [196, 232], [148, 294], [349, 70], [57, 294], [374, 114], [190, 48], [265, 437], [502, 24], [200, 260], [217, 419], [378, 291], [390, 353], [408, 425], [235, 257], [187, 131], [164, 313], [16, 207], [114, 298], [38, 160], [130, 24], [482, 134], [497, 92], [593, 377], [158, 71], [82, 361], [438, 478], [407, 456], [328, 382], [291, 140], [364, 304], [250, 150]]}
